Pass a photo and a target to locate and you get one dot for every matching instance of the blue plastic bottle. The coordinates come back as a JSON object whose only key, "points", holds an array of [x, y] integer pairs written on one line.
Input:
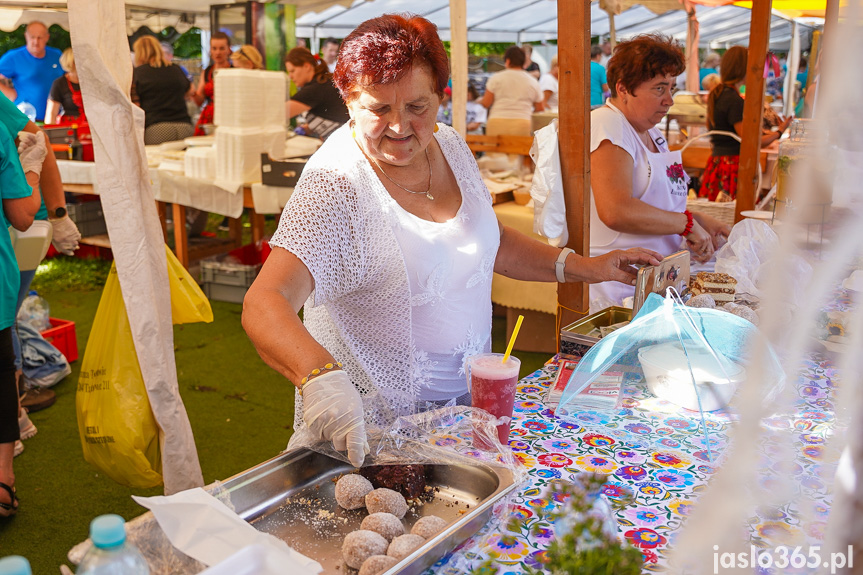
{"points": [[111, 554], [15, 565]]}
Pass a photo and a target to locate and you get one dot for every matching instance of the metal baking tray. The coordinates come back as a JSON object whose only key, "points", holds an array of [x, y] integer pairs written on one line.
{"points": [[292, 497], [574, 340]]}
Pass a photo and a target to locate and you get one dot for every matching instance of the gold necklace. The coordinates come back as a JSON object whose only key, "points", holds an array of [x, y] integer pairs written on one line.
{"points": [[428, 190]]}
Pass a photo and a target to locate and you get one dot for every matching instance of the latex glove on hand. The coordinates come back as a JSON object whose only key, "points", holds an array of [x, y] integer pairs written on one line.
{"points": [[333, 410], [66, 235], [32, 151]]}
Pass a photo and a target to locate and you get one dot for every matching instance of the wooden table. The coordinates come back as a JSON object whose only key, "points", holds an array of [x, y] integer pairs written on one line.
{"points": [[188, 251]]}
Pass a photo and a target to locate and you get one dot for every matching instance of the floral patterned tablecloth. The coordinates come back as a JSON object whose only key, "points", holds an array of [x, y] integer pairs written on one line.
{"points": [[656, 455]]}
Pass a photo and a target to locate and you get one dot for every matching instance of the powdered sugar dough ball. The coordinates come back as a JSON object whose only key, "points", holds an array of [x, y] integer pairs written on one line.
{"points": [[386, 524], [377, 564], [360, 545], [351, 491], [702, 300], [404, 545], [385, 500], [429, 526]]}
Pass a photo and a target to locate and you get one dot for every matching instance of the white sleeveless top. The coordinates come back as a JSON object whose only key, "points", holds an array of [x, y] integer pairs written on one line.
{"points": [[449, 267], [378, 270]]}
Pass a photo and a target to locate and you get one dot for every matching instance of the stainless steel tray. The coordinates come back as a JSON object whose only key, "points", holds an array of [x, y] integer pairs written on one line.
{"points": [[292, 497]]}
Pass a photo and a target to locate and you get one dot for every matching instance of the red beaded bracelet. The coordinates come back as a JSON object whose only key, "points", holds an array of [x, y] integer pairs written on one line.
{"points": [[690, 221]]}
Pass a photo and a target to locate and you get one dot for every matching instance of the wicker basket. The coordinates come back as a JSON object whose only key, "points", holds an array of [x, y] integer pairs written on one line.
{"points": [[722, 211]]}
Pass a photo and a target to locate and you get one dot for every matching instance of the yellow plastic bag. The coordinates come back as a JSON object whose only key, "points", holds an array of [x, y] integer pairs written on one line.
{"points": [[119, 434], [188, 302]]}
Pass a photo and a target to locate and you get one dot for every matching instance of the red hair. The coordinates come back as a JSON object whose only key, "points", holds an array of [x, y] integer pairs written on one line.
{"points": [[642, 59], [382, 50]]}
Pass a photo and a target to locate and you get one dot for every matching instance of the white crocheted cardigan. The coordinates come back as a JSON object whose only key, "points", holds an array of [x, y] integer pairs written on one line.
{"points": [[339, 223]]}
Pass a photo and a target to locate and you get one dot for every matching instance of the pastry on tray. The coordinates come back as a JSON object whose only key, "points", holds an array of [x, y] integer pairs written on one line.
{"points": [[721, 287]]}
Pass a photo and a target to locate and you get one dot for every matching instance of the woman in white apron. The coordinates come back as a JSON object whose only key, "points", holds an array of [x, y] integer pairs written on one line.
{"points": [[638, 186]]}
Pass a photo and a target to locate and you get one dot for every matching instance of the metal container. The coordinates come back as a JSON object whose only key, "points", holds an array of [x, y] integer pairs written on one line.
{"points": [[574, 340], [292, 497]]}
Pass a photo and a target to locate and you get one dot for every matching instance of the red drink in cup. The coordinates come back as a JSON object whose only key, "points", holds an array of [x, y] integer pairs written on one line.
{"points": [[492, 387]]}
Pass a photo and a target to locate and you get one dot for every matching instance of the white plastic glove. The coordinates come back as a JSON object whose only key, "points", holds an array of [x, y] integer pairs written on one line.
{"points": [[333, 410], [66, 235], [31, 151]]}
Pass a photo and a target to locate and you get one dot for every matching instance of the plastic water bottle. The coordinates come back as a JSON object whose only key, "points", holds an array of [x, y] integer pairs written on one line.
{"points": [[15, 565], [35, 312], [111, 554]]}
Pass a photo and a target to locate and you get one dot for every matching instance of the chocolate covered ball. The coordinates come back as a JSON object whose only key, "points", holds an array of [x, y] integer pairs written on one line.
{"points": [[386, 524], [351, 491], [404, 545], [385, 500], [377, 564], [360, 545], [429, 526]]}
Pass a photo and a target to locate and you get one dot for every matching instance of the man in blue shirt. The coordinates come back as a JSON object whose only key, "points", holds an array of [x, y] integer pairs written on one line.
{"points": [[32, 69]]}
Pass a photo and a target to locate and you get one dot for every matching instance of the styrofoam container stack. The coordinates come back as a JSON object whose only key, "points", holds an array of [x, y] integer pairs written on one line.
{"points": [[238, 154], [275, 94], [200, 162], [237, 93], [250, 115]]}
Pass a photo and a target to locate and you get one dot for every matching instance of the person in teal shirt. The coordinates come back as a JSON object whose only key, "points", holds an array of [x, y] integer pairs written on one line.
{"points": [[710, 66], [20, 201], [66, 234], [598, 79]]}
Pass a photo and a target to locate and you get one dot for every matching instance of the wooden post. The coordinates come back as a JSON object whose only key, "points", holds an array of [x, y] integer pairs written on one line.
{"points": [[574, 123], [458, 61], [750, 147]]}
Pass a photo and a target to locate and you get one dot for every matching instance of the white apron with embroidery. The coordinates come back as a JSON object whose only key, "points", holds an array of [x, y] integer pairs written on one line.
{"points": [[666, 189]]}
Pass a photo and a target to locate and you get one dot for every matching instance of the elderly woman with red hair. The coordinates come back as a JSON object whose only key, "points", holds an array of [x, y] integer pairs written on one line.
{"points": [[390, 241], [638, 186]]}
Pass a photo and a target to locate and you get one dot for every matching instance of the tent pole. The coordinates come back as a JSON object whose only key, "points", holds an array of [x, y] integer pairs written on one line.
{"points": [[574, 124], [750, 147], [692, 64], [458, 61], [612, 31], [793, 62]]}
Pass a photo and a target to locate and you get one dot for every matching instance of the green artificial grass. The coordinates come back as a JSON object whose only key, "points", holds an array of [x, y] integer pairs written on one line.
{"points": [[240, 410]]}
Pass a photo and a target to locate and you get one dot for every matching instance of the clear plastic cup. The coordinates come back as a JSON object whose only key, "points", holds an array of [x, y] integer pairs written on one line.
{"points": [[492, 386]]}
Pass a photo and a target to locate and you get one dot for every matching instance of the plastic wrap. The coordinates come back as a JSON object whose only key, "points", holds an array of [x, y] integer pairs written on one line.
{"points": [[750, 258], [703, 340], [450, 435]]}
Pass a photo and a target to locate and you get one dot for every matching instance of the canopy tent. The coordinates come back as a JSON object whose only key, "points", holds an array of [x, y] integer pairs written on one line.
{"points": [[487, 21], [155, 14], [536, 20]]}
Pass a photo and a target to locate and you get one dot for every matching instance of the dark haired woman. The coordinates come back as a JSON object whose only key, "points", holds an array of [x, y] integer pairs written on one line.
{"points": [[511, 95], [318, 98], [725, 113], [639, 187], [390, 241], [220, 57]]}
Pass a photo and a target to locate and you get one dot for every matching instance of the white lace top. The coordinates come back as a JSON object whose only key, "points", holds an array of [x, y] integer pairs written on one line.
{"points": [[399, 328]]}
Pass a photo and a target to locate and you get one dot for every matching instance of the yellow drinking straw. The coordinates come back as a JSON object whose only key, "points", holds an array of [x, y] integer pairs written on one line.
{"points": [[512, 338]]}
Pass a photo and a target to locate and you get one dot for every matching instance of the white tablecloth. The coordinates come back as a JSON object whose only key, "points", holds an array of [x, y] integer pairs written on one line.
{"points": [[168, 186], [270, 199]]}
